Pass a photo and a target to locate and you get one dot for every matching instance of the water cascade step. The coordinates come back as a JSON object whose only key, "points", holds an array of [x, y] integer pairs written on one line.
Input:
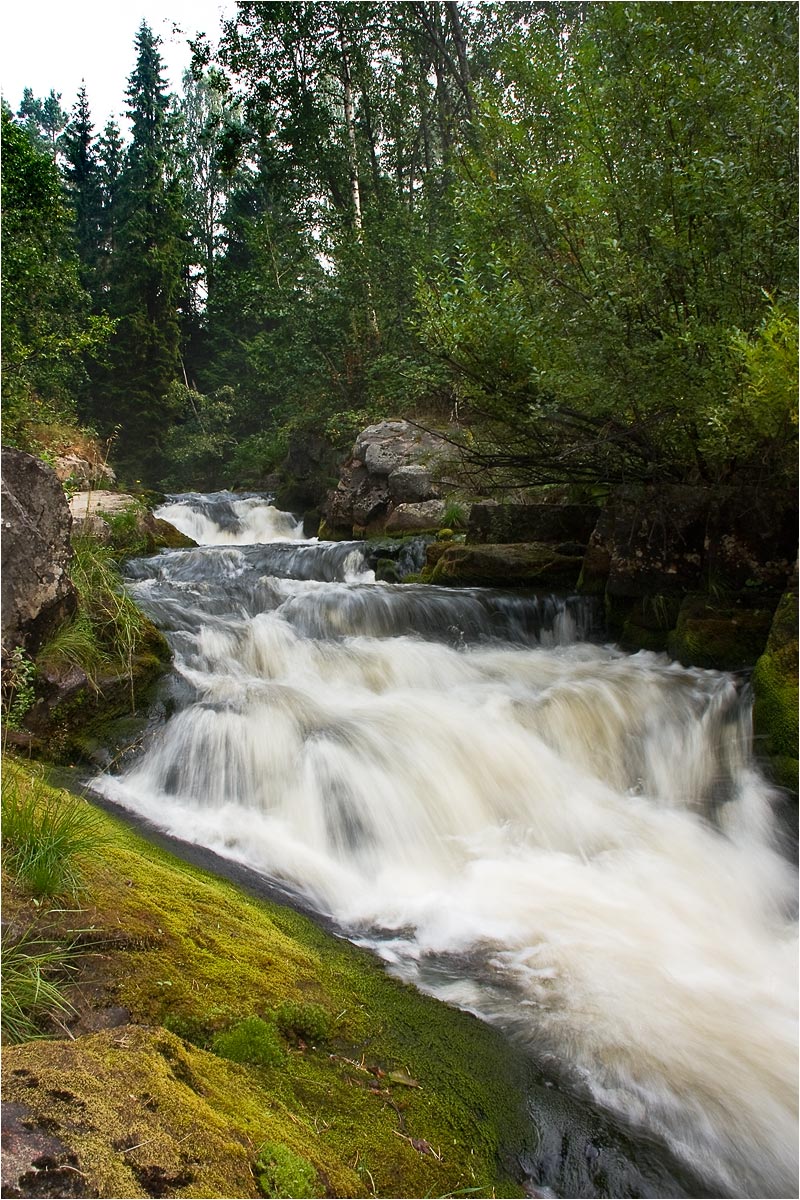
{"points": [[565, 839]]}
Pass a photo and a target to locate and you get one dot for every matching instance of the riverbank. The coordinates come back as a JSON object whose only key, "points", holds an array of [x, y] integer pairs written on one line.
{"points": [[376, 1088]]}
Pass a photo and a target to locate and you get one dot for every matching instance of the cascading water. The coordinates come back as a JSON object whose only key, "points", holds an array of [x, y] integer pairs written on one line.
{"points": [[565, 839]]}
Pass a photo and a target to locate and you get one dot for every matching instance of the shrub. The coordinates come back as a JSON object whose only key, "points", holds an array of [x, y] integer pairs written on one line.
{"points": [[45, 836], [250, 1041], [19, 690], [283, 1173]]}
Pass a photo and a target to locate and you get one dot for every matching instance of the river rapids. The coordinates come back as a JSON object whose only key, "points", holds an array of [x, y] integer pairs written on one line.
{"points": [[570, 841]]}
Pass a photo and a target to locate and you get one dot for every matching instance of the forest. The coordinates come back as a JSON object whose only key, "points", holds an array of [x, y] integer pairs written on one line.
{"points": [[565, 232]]}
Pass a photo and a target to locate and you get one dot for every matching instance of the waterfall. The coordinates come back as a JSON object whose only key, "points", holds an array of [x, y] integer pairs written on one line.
{"points": [[567, 840]]}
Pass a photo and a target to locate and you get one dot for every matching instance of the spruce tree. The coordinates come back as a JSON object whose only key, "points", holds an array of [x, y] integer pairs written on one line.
{"points": [[82, 172], [148, 266]]}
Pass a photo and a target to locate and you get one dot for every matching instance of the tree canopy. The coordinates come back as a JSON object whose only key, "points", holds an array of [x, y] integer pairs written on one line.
{"points": [[572, 225]]}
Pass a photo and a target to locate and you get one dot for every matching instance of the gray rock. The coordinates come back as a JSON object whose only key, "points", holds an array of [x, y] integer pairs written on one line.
{"points": [[37, 594], [82, 472], [416, 518], [411, 483]]}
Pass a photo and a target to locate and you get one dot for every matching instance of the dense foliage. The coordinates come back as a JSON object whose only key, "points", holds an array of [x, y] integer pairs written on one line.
{"points": [[567, 229]]}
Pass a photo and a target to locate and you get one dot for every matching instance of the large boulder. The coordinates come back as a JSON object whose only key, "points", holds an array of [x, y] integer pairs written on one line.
{"points": [[120, 520], [393, 464], [37, 593], [425, 517]]}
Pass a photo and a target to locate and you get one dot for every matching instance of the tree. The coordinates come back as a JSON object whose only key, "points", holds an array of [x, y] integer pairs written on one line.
{"points": [[47, 327], [82, 172], [147, 279], [44, 119], [624, 222]]}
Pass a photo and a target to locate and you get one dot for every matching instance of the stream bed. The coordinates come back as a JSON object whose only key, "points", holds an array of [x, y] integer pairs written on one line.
{"points": [[569, 841]]}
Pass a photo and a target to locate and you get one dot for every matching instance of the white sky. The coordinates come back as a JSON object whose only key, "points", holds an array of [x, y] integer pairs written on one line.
{"points": [[58, 45]]}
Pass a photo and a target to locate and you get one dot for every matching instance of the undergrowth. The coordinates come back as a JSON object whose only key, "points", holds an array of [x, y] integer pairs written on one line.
{"points": [[108, 630]]}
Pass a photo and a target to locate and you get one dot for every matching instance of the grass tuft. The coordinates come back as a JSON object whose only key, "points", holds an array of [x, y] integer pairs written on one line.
{"points": [[32, 993], [46, 834]]}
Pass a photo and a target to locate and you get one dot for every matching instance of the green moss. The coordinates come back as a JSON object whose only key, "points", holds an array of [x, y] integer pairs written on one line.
{"points": [[304, 1022], [250, 1041], [775, 688], [283, 1173], [728, 639], [180, 947]]}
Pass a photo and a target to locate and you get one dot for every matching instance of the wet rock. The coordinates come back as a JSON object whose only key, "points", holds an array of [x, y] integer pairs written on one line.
{"points": [[529, 564], [37, 594], [723, 637]]}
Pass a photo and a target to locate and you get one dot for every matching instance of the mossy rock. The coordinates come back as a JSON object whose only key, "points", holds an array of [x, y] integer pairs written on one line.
{"points": [[726, 639], [775, 687], [164, 536], [646, 623], [146, 1112], [525, 564]]}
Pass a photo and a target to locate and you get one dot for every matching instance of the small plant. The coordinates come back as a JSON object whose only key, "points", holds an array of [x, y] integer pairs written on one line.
{"points": [[283, 1173], [250, 1041], [454, 516], [45, 836], [32, 993], [304, 1022], [128, 536], [19, 691]]}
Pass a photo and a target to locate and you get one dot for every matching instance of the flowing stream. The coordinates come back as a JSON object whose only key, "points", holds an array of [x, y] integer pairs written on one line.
{"points": [[570, 841]]}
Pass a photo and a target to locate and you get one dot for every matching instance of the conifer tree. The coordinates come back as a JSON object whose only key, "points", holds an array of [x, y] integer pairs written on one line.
{"points": [[147, 277], [82, 172]]}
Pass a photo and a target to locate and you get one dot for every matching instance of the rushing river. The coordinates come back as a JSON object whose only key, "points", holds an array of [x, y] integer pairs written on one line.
{"points": [[567, 840]]}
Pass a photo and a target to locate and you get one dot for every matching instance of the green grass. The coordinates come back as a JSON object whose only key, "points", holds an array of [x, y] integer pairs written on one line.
{"points": [[32, 993], [46, 836]]}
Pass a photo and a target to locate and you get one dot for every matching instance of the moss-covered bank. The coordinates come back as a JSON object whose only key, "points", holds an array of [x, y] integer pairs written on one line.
{"points": [[369, 1088]]}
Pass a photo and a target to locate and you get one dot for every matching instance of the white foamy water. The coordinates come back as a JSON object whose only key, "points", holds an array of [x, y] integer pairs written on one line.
{"points": [[569, 840], [225, 519]]}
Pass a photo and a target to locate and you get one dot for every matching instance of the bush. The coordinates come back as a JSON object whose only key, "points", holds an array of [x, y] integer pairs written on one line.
{"points": [[19, 687], [45, 836], [283, 1173], [251, 1041]]}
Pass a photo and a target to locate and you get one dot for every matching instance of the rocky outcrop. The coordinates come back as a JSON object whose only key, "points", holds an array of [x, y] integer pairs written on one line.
{"points": [[395, 467], [673, 540], [37, 594], [114, 517], [82, 473], [567, 524]]}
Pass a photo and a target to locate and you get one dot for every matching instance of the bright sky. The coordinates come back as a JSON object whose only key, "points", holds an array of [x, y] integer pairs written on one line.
{"points": [[58, 45]]}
